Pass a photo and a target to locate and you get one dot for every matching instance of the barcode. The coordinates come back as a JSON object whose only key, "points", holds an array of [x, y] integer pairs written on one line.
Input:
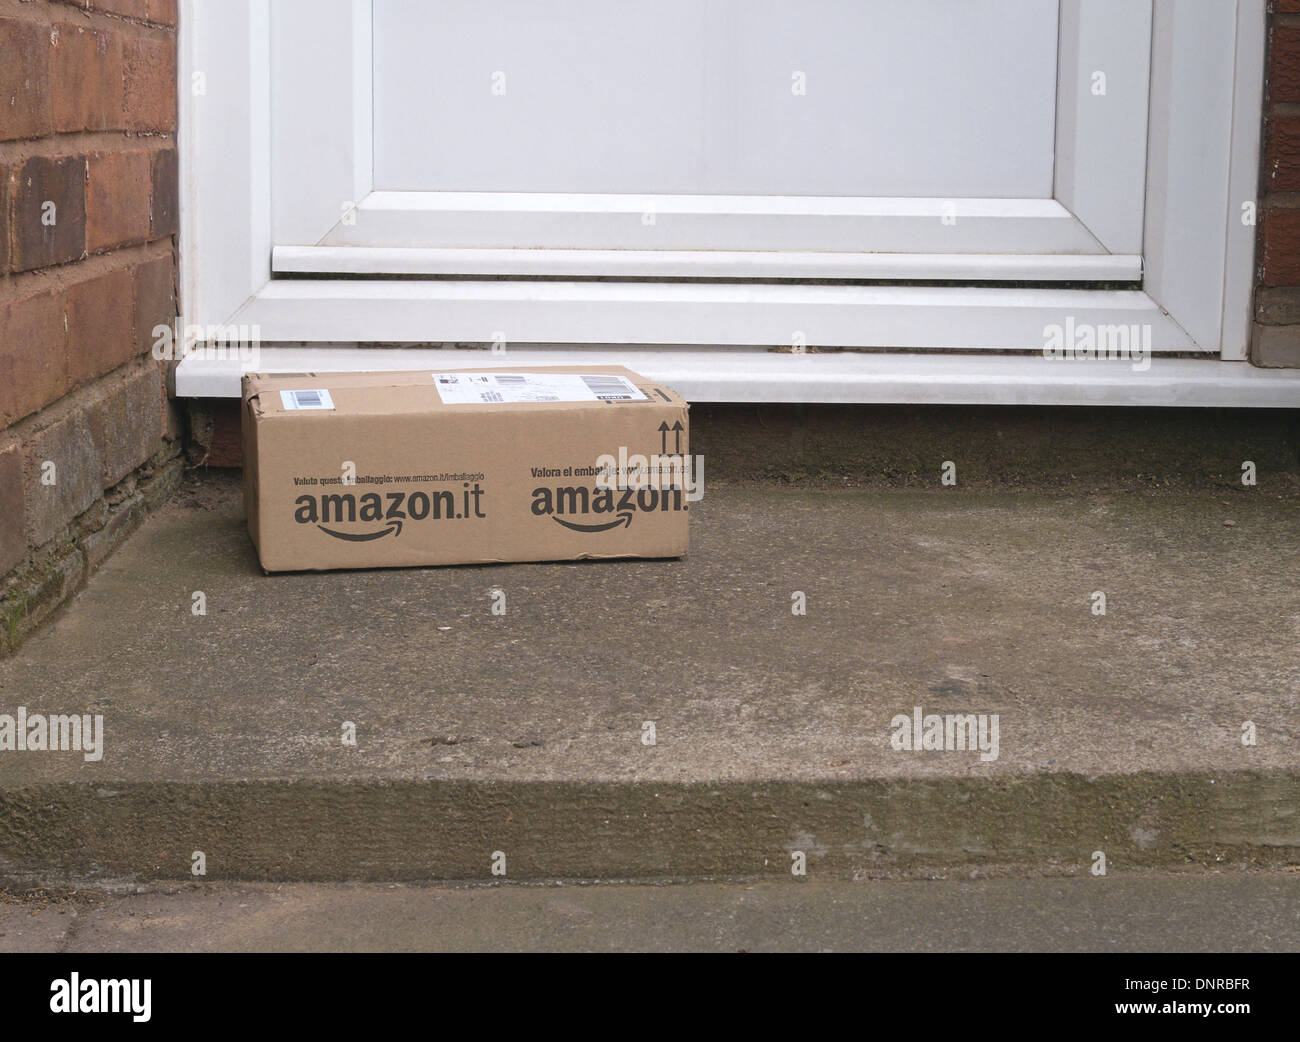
{"points": [[313, 399], [605, 383], [609, 388], [512, 379]]}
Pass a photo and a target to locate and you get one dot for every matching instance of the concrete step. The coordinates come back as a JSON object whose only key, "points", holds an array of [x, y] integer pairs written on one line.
{"points": [[1180, 912], [526, 734]]}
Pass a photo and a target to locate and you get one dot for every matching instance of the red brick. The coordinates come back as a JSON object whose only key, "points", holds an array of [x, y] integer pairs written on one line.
{"points": [[1278, 305], [76, 450], [126, 8], [24, 80], [214, 435], [1288, 6], [1284, 64], [33, 358], [173, 421], [13, 515], [155, 300], [129, 421], [149, 70], [101, 330], [42, 180], [1275, 347], [1282, 154], [1280, 248], [86, 76], [118, 190], [165, 201], [6, 221], [162, 11]]}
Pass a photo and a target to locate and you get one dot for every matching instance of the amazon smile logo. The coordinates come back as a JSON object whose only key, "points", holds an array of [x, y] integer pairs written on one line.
{"points": [[388, 510], [394, 528], [595, 505]]}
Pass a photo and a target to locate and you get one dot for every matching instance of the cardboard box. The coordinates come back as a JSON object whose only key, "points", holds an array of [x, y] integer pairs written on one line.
{"points": [[469, 466]]}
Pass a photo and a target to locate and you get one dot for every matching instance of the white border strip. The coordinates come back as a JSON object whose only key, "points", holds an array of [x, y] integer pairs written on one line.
{"points": [[507, 220], [1243, 178], [412, 311], [845, 377]]}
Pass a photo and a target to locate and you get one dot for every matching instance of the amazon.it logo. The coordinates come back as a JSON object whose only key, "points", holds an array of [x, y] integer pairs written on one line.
{"points": [[384, 514]]}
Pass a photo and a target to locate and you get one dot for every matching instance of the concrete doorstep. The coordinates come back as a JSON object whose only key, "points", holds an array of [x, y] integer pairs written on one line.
{"points": [[682, 719], [1213, 912]]}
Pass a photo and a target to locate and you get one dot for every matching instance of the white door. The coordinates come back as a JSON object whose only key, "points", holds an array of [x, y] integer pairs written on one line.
{"points": [[698, 188]]}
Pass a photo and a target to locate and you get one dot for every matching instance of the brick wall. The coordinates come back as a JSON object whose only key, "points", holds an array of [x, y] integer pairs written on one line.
{"points": [[1276, 338], [88, 210]]}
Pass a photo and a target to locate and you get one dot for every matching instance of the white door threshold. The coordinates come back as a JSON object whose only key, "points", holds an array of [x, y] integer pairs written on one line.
{"points": [[724, 314], [747, 375], [705, 264]]}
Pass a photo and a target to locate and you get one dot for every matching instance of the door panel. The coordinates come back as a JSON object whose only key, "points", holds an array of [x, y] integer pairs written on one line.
{"points": [[728, 97], [836, 139]]}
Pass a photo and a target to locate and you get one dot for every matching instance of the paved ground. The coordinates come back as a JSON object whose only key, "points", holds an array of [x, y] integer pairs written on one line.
{"points": [[524, 733], [1227, 912]]}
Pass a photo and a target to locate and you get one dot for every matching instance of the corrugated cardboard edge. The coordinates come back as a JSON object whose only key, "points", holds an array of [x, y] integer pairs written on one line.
{"points": [[248, 432], [255, 383]]}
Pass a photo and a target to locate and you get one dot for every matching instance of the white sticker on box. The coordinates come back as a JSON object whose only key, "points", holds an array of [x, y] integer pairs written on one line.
{"points": [[477, 388], [316, 399]]}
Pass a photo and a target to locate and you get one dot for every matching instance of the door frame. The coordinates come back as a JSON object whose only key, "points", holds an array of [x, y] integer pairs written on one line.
{"points": [[1201, 163]]}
